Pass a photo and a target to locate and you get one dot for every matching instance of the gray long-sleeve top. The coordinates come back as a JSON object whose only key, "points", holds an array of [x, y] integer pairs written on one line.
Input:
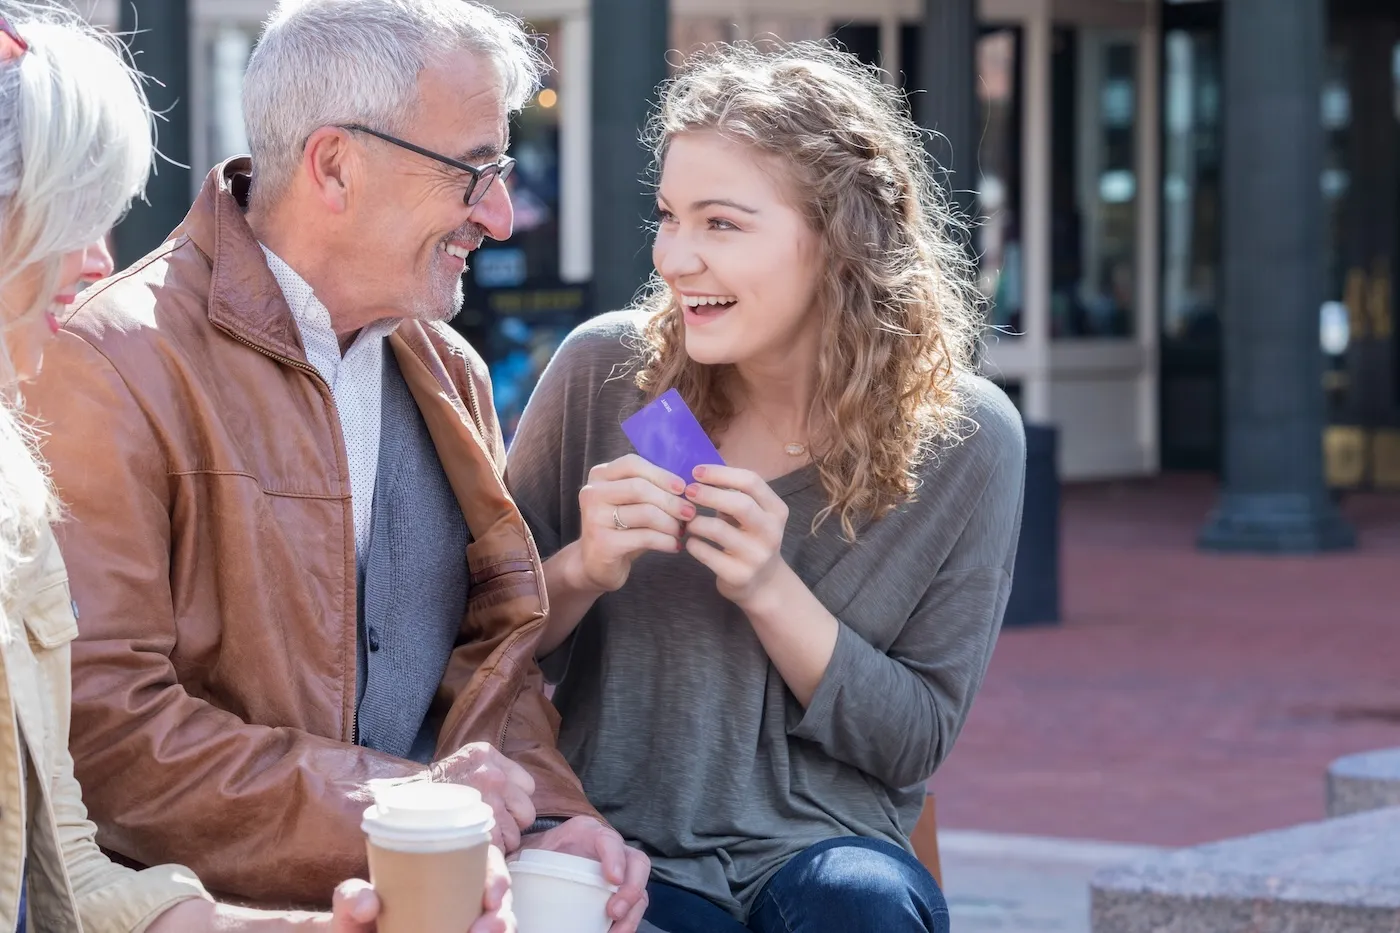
{"points": [[684, 734]]}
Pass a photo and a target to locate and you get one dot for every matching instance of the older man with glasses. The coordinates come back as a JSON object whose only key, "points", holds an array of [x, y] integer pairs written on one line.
{"points": [[297, 567]]}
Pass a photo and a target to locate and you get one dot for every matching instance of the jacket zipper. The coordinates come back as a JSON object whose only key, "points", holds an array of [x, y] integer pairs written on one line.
{"points": [[476, 406], [315, 374]]}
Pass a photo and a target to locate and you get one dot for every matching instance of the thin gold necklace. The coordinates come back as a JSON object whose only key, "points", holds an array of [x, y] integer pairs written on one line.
{"points": [[791, 448]]}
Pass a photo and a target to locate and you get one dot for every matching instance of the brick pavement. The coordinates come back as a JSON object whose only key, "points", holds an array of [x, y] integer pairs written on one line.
{"points": [[1188, 696]]}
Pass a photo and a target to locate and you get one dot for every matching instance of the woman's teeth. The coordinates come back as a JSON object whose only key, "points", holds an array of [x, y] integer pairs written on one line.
{"points": [[457, 251], [695, 301]]}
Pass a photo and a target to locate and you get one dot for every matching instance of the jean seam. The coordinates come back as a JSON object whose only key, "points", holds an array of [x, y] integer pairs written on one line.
{"points": [[787, 925]]}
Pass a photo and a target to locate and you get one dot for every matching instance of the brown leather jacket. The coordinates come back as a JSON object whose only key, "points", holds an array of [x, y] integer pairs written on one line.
{"points": [[212, 556]]}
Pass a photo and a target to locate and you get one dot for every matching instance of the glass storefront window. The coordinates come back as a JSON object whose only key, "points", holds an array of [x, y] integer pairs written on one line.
{"points": [[229, 49], [1094, 207], [692, 33], [1191, 151], [791, 28], [998, 237]]}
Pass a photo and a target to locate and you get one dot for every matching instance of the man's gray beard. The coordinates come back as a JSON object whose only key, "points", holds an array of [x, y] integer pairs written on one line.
{"points": [[440, 311]]}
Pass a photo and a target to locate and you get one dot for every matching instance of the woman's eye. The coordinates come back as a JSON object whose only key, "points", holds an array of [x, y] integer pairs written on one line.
{"points": [[665, 216], [719, 223]]}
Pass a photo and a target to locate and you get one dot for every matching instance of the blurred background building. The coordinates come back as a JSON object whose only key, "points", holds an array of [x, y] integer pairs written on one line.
{"points": [[1099, 129]]}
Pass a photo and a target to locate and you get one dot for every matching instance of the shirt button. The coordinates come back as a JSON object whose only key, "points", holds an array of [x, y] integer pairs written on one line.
{"points": [[373, 640]]}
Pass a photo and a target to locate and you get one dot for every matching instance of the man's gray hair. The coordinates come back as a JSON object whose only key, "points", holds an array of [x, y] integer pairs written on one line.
{"points": [[324, 62]]}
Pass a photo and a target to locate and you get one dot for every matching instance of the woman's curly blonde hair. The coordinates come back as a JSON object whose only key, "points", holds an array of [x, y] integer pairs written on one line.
{"points": [[901, 316]]}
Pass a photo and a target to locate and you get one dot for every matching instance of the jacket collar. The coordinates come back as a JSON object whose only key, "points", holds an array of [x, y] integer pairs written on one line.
{"points": [[244, 297]]}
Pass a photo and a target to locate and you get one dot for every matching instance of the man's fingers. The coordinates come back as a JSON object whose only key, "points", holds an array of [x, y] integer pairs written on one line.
{"points": [[521, 808], [638, 871], [612, 854], [633, 919], [506, 833], [516, 775]]}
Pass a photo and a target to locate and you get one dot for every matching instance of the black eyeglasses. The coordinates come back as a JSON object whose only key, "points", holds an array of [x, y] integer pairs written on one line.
{"points": [[9, 31], [482, 176]]}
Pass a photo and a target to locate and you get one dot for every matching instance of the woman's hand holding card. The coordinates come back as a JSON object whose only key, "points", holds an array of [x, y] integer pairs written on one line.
{"points": [[629, 507], [743, 542]]}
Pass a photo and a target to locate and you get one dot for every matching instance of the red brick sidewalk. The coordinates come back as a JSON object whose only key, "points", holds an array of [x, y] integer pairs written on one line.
{"points": [[1188, 696]]}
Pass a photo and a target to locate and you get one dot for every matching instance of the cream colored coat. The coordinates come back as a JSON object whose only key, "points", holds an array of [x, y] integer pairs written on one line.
{"points": [[72, 884]]}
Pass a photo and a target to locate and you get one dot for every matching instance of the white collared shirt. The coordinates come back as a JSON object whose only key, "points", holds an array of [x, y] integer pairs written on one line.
{"points": [[356, 380]]}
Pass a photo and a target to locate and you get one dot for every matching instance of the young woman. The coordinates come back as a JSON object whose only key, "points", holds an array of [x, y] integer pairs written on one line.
{"points": [[75, 148], [759, 665]]}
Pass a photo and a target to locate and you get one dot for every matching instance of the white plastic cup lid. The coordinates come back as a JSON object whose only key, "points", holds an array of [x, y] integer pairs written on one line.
{"points": [[563, 866], [426, 813]]}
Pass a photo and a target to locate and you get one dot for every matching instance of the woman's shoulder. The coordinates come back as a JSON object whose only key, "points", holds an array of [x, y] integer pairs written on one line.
{"points": [[610, 339], [594, 368], [992, 419], [988, 437]]}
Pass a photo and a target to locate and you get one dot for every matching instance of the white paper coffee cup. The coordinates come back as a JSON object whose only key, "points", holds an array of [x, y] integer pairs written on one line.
{"points": [[427, 846], [558, 893]]}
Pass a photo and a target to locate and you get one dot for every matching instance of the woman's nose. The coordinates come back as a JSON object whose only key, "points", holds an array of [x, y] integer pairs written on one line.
{"points": [[675, 258], [97, 262]]}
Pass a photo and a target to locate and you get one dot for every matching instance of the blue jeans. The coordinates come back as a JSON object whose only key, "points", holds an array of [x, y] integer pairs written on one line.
{"points": [[838, 886]]}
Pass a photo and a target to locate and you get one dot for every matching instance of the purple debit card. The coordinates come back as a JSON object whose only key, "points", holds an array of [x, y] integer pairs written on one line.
{"points": [[666, 433]]}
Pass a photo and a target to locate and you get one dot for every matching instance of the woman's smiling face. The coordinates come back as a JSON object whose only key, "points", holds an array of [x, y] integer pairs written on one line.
{"points": [[741, 260]]}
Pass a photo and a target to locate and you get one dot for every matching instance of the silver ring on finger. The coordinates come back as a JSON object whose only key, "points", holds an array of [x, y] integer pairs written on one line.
{"points": [[618, 523]]}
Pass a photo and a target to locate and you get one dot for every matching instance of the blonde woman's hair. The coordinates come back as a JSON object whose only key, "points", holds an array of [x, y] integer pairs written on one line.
{"points": [[76, 146], [900, 313]]}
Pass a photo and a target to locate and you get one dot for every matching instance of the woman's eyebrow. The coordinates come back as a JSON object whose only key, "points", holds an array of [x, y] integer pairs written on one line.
{"points": [[722, 202]]}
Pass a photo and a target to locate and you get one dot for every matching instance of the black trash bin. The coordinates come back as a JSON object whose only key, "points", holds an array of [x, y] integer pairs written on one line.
{"points": [[1035, 588]]}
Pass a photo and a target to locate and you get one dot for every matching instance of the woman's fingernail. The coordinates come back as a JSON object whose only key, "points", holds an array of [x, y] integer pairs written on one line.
{"points": [[688, 511], [692, 490], [699, 472], [678, 487]]}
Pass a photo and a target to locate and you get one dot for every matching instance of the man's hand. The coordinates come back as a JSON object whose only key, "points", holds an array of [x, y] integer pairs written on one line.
{"points": [[623, 866], [502, 783]]}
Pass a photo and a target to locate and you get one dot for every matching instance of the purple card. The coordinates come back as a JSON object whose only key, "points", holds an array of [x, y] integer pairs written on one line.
{"points": [[666, 433]]}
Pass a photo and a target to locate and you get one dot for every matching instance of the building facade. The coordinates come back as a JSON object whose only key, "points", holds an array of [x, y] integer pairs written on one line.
{"points": [[1099, 172]]}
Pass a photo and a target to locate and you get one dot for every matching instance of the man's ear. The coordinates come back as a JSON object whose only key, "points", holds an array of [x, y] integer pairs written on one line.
{"points": [[326, 163]]}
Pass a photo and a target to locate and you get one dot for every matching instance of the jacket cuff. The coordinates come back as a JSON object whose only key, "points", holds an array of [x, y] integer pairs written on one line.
{"points": [[131, 903]]}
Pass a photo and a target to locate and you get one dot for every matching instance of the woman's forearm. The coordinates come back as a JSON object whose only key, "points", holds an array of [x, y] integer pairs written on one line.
{"points": [[796, 631], [570, 597]]}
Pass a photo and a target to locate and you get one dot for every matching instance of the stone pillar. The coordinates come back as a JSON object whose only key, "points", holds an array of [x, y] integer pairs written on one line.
{"points": [[159, 33], [948, 105], [1274, 496], [629, 39]]}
